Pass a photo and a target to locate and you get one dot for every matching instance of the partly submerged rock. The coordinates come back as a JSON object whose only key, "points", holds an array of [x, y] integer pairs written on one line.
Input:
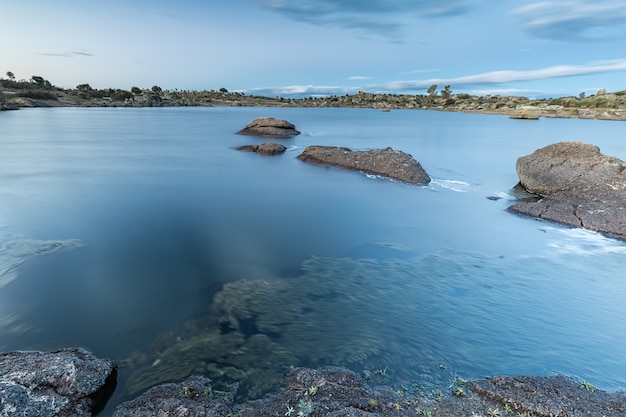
{"points": [[268, 126], [269, 148], [570, 166], [67, 382], [384, 162], [579, 187]]}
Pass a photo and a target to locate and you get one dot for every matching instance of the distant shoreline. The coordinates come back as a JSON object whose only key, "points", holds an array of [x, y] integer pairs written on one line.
{"points": [[602, 106]]}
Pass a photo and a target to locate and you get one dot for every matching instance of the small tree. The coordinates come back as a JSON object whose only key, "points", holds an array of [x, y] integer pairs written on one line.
{"points": [[10, 75], [135, 90], [40, 82], [445, 93], [156, 89], [432, 90]]}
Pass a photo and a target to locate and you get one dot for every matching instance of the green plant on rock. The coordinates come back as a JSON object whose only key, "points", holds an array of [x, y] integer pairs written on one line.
{"points": [[372, 404], [188, 392], [586, 385], [306, 408]]}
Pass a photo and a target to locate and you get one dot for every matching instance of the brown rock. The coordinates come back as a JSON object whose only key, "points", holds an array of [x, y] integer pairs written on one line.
{"points": [[269, 148], [570, 166], [580, 187], [268, 126], [384, 162]]}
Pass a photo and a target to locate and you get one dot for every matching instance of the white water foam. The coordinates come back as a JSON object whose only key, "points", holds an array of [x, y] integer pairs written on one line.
{"points": [[452, 185], [583, 242]]}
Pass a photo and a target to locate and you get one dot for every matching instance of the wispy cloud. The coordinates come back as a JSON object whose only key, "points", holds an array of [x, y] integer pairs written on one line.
{"points": [[66, 54], [383, 18], [302, 91], [574, 20], [359, 78], [424, 71], [484, 82], [501, 77]]}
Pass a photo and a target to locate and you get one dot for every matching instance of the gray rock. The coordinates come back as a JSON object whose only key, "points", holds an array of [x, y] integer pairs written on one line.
{"points": [[579, 186], [566, 166], [384, 162], [269, 148], [338, 392], [193, 397], [68, 382], [268, 126], [526, 112]]}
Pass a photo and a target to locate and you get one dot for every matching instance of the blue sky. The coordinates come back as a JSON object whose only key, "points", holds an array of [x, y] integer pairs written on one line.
{"points": [[309, 47]]}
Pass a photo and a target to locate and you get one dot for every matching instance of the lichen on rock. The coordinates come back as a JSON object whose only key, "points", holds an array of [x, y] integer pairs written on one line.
{"points": [[386, 162], [271, 127]]}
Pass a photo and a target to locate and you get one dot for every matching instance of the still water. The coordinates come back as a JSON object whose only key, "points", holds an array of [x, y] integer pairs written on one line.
{"points": [[119, 225]]}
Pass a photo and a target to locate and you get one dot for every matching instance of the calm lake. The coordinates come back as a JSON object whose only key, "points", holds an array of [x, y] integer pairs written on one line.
{"points": [[118, 226]]}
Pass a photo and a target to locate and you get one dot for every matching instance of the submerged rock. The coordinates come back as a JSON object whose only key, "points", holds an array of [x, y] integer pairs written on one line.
{"points": [[269, 126], [68, 382], [269, 148], [384, 162], [578, 186]]}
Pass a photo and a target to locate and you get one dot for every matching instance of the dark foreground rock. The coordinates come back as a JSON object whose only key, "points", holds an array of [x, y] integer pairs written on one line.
{"points": [[72, 382], [384, 162], [268, 126], [68, 382], [578, 186], [194, 397], [269, 148], [338, 392]]}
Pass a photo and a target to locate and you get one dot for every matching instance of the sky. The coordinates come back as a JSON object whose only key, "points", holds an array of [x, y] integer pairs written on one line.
{"points": [[299, 48]]}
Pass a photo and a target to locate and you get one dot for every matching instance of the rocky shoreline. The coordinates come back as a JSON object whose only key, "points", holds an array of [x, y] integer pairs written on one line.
{"points": [[75, 383], [601, 106]]}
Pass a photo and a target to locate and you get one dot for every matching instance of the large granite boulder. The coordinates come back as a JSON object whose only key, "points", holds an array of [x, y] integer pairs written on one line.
{"points": [[384, 162], [578, 186], [64, 383], [269, 148], [270, 127]]}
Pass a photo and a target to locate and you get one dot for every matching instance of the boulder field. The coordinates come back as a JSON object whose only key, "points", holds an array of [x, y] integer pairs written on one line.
{"points": [[576, 185]]}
